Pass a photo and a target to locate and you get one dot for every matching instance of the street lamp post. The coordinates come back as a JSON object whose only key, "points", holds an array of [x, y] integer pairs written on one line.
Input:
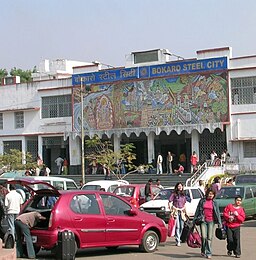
{"points": [[82, 129]]}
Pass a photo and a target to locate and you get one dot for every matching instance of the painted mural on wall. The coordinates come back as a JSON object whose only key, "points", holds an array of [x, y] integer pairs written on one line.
{"points": [[182, 100]]}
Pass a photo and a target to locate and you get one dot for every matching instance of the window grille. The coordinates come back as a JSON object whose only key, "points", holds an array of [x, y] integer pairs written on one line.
{"points": [[32, 148], [19, 119], [8, 145], [243, 90], [249, 149], [56, 106]]}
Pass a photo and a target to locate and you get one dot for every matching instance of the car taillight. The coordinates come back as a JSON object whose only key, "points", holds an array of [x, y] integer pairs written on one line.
{"points": [[50, 221]]}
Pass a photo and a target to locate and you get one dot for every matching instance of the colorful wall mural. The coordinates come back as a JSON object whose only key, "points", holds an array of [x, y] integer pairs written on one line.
{"points": [[182, 100]]}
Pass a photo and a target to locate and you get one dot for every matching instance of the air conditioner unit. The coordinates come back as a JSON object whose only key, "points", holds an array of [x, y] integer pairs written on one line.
{"points": [[150, 57]]}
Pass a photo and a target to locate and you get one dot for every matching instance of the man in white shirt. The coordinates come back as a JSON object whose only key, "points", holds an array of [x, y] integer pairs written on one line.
{"points": [[159, 168], [12, 202], [59, 162]]}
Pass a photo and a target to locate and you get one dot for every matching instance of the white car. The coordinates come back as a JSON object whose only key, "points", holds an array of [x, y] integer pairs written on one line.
{"points": [[159, 205], [108, 185]]}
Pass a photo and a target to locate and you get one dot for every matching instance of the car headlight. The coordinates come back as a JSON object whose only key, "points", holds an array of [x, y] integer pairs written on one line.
{"points": [[162, 208], [141, 208]]}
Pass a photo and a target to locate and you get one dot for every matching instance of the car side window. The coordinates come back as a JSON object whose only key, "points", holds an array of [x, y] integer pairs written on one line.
{"points": [[85, 204], [112, 187], [196, 194], [71, 185], [114, 205], [248, 193], [254, 191]]}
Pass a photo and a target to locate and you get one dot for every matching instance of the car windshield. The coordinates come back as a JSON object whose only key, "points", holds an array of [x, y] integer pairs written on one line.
{"points": [[164, 194], [230, 192], [124, 191]]}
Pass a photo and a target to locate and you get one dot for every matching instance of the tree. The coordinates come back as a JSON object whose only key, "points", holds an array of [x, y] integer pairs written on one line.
{"points": [[3, 73], [104, 154], [25, 75], [13, 160]]}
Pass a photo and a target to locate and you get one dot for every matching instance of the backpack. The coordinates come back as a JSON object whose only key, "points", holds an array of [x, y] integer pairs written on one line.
{"points": [[194, 239]]}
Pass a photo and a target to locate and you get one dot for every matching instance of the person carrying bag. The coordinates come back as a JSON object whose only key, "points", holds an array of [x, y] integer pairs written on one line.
{"points": [[206, 216]]}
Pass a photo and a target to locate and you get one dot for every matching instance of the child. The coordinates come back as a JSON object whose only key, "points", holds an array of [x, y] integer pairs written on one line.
{"points": [[234, 216]]}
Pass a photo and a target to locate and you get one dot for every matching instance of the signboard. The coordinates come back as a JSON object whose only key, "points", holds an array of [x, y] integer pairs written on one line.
{"points": [[146, 72]]}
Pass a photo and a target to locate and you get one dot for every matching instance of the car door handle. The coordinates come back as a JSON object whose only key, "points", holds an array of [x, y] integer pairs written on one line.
{"points": [[78, 219], [111, 220]]}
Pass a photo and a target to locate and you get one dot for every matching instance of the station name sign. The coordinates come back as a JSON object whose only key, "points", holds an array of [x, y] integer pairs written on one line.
{"points": [[146, 72]]}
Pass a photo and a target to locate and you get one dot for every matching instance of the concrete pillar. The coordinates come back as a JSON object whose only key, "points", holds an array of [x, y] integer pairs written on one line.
{"points": [[116, 143], [151, 147], [40, 146], [1, 147], [195, 142], [75, 151], [23, 149]]}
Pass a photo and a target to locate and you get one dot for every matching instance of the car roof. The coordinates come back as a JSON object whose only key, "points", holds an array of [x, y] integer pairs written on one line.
{"points": [[53, 178]]}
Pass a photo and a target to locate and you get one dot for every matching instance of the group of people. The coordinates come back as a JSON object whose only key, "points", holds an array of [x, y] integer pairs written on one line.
{"points": [[149, 193], [206, 216], [18, 225], [179, 169]]}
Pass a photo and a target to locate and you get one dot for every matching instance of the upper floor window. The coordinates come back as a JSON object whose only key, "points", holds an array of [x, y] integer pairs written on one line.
{"points": [[19, 119], [249, 149], [56, 106], [243, 90], [1, 121]]}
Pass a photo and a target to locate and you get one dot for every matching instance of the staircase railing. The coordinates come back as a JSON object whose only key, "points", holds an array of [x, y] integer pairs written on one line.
{"points": [[196, 176]]}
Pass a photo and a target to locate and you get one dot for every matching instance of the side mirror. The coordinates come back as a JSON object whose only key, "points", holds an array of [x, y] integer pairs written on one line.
{"points": [[132, 212]]}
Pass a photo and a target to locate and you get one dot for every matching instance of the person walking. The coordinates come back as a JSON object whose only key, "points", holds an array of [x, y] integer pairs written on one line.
{"points": [[59, 162], [177, 208], [216, 186], [193, 160], [23, 224], [169, 161], [234, 216], [207, 215], [159, 167], [148, 190], [12, 202]]}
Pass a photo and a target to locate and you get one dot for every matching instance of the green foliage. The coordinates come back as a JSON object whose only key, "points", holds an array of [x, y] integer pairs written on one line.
{"points": [[104, 155], [25, 75], [3, 73], [13, 160]]}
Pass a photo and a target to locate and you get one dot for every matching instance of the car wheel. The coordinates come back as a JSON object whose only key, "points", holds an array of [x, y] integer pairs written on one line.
{"points": [[149, 242]]}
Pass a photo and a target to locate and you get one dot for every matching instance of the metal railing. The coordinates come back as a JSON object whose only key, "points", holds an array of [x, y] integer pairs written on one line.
{"points": [[196, 176]]}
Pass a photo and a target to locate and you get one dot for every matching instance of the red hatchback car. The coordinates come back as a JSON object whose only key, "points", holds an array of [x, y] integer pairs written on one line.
{"points": [[98, 219], [134, 193]]}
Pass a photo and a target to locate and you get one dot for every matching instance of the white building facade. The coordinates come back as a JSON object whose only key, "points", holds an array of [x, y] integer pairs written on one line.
{"points": [[200, 108]]}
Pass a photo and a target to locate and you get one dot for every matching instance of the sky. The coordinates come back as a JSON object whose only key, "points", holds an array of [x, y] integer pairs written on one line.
{"points": [[108, 30]]}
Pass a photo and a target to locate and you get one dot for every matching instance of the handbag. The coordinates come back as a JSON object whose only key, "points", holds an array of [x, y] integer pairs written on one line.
{"points": [[221, 233], [194, 238], [171, 226]]}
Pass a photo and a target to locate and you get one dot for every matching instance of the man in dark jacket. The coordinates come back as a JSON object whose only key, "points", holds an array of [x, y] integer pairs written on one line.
{"points": [[148, 190]]}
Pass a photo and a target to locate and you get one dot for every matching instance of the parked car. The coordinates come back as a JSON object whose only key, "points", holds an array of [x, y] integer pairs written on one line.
{"points": [[97, 219], [159, 206], [58, 182], [108, 185], [245, 179], [134, 193], [227, 195]]}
